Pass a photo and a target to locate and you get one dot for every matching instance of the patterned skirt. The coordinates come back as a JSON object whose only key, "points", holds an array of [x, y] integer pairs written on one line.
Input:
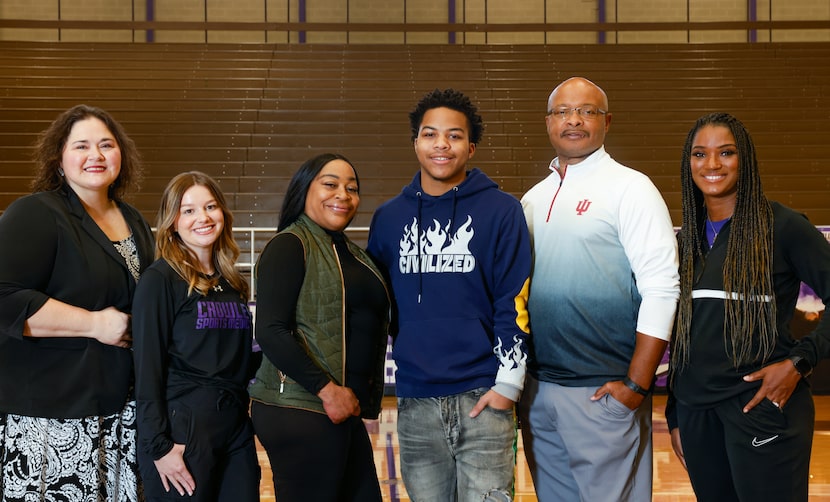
{"points": [[90, 459]]}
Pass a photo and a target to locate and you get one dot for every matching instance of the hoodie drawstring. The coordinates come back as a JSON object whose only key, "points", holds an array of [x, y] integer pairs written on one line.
{"points": [[418, 245], [420, 235], [454, 205]]}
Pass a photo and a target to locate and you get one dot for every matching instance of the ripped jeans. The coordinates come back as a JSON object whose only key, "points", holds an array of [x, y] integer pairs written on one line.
{"points": [[448, 456]]}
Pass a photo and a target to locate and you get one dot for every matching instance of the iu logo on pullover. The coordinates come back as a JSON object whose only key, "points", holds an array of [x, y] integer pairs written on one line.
{"points": [[582, 206]]}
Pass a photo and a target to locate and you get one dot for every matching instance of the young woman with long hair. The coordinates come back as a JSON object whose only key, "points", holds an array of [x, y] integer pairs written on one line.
{"points": [[740, 411], [193, 352]]}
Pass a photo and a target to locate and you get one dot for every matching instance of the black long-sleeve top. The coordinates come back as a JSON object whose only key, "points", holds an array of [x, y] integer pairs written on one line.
{"points": [[183, 342], [800, 254]]}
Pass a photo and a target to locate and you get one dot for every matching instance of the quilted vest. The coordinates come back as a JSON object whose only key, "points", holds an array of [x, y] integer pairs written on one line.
{"points": [[321, 330]]}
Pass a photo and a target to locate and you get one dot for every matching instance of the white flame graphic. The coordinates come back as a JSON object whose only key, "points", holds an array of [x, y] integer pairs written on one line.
{"points": [[513, 358], [435, 239], [409, 241], [460, 242]]}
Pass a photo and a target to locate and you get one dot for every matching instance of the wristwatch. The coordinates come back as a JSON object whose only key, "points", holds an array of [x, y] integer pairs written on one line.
{"points": [[631, 384], [802, 366]]}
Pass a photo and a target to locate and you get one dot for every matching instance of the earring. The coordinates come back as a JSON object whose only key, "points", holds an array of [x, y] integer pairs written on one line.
{"points": [[60, 171]]}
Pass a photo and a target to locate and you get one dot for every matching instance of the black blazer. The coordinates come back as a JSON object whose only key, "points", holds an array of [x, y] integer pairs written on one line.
{"points": [[51, 248]]}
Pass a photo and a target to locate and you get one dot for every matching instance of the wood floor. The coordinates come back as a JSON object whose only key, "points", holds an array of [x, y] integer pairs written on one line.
{"points": [[670, 481]]}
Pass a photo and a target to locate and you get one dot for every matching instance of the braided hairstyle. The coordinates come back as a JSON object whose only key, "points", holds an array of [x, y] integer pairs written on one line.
{"points": [[749, 329]]}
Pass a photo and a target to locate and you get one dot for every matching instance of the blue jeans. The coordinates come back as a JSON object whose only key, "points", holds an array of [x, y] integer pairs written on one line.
{"points": [[448, 456]]}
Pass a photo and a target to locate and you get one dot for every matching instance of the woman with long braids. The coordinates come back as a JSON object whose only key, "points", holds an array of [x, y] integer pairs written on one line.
{"points": [[740, 411]]}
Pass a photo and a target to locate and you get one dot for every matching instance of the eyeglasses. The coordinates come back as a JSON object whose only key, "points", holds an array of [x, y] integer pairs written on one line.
{"points": [[587, 112]]}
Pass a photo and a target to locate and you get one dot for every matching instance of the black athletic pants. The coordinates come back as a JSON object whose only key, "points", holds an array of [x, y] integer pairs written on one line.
{"points": [[763, 455], [220, 452]]}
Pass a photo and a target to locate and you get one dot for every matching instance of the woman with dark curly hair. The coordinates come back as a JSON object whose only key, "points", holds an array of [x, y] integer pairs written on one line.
{"points": [[741, 413], [70, 257]]}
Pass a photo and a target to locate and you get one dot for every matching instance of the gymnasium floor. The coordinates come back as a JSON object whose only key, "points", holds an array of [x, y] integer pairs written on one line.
{"points": [[670, 481]]}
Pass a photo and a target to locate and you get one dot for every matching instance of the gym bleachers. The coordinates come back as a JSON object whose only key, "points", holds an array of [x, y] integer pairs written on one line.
{"points": [[249, 114]]}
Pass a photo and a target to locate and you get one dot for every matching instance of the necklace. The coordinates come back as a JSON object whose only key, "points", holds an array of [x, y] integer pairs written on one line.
{"points": [[714, 231], [215, 275], [715, 227]]}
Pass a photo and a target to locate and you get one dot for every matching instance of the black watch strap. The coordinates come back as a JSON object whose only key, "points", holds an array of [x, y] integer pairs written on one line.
{"points": [[802, 366], [631, 384]]}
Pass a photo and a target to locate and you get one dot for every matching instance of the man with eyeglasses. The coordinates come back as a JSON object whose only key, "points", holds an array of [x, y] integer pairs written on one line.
{"points": [[602, 300]]}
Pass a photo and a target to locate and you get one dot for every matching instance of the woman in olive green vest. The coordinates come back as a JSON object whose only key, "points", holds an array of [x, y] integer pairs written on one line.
{"points": [[322, 322]]}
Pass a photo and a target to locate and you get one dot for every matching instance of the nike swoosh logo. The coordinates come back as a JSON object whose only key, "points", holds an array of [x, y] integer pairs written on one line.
{"points": [[762, 442]]}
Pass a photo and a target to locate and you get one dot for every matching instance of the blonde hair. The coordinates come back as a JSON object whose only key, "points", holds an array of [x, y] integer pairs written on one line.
{"points": [[170, 246]]}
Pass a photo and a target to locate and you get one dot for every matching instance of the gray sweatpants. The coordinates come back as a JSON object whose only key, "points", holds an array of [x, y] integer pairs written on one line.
{"points": [[578, 449]]}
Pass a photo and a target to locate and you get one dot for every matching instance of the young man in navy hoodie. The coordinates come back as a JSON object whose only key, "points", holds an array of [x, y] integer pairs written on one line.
{"points": [[457, 253]]}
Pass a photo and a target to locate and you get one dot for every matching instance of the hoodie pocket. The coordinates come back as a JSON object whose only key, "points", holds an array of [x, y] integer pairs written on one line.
{"points": [[444, 350]]}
